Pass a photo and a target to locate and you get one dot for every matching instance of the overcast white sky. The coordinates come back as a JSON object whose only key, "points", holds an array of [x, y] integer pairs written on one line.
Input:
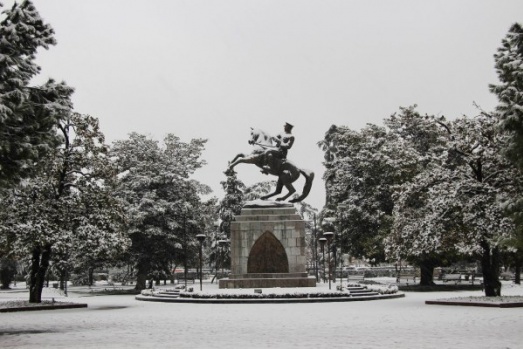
{"points": [[212, 69]]}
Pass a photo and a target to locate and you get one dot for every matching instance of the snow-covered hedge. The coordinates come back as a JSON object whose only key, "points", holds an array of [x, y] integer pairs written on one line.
{"points": [[382, 289], [147, 292]]}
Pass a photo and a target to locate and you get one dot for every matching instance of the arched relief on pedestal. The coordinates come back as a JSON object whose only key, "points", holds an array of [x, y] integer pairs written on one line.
{"points": [[267, 255]]}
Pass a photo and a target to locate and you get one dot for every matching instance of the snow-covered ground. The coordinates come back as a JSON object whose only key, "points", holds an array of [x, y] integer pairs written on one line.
{"points": [[123, 322]]}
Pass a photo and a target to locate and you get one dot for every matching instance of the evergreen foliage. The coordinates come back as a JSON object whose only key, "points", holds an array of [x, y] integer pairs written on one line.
{"points": [[28, 114], [509, 67], [163, 204], [421, 189]]}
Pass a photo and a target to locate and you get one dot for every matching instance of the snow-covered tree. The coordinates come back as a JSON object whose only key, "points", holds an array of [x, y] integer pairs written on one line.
{"points": [[28, 114], [362, 168], [232, 202], [309, 215], [421, 143], [163, 204], [68, 208], [354, 178], [509, 67], [258, 190], [456, 204]]}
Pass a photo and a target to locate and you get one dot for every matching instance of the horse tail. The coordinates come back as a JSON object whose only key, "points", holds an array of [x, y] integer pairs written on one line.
{"points": [[309, 177]]}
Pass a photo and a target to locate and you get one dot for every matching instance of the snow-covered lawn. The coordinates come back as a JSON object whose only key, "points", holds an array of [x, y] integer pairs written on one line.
{"points": [[123, 322]]}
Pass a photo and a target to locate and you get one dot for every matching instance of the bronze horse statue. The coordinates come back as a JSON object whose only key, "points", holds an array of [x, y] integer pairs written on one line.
{"points": [[285, 170]]}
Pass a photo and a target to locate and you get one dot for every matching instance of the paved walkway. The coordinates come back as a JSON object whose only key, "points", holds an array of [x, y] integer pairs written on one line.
{"points": [[123, 322]]}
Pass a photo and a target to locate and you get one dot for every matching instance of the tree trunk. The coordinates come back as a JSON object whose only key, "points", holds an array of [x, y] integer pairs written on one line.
{"points": [[141, 280], [490, 260], [426, 272], [62, 280], [7, 272], [39, 264], [5, 279], [141, 277], [90, 274], [519, 261]]}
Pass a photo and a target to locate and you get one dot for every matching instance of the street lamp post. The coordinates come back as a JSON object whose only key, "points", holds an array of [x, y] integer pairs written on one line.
{"points": [[65, 285], [328, 235], [200, 238], [341, 208], [222, 244], [322, 244], [315, 230], [341, 266]]}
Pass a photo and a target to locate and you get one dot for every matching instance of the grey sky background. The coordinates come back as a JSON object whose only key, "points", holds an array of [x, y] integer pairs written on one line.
{"points": [[212, 69]]}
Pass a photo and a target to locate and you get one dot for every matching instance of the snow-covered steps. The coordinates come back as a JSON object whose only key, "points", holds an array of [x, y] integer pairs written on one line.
{"points": [[268, 295]]}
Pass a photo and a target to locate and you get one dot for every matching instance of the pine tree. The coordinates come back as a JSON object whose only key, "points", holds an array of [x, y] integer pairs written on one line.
{"points": [[232, 202], [509, 67], [28, 114]]}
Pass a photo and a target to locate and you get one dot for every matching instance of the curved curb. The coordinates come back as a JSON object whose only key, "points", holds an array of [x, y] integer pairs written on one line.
{"points": [[43, 307], [440, 288], [265, 300], [479, 304]]}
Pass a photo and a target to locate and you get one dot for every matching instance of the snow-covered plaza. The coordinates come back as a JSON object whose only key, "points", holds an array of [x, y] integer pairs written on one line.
{"points": [[123, 322]]}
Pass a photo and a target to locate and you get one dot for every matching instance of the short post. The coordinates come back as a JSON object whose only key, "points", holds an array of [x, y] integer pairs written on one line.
{"points": [[201, 238]]}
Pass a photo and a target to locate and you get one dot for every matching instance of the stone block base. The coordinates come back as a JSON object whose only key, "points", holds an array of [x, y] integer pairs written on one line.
{"points": [[268, 280]]}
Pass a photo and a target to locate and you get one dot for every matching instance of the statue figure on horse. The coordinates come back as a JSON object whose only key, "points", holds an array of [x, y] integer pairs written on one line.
{"points": [[270, 154], [277, 156]]}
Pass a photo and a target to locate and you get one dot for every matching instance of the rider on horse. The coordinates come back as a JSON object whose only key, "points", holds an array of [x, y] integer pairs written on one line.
{"points": [[272, 159], [275, 158]]}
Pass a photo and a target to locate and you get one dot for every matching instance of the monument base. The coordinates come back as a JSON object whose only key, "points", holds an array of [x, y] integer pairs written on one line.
{"points": [[268, 280], [268, 248]]}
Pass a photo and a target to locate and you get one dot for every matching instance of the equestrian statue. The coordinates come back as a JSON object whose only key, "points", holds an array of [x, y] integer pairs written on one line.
{"points": [[270, 154]]}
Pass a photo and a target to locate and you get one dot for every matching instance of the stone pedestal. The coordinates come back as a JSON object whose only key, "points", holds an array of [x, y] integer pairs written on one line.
{"points": [[268, 249]]}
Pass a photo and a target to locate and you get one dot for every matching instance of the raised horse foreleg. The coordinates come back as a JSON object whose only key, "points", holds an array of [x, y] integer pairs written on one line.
{"points": [[241, 155], [239, 159], [249, 159]]}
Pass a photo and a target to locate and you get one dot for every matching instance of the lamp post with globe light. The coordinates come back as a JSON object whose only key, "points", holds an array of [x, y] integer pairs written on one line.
{"points": [[329, 225], [335, 223], [315, 253], [329, 235], [322, 244], [222, 244], [201, 238]]}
